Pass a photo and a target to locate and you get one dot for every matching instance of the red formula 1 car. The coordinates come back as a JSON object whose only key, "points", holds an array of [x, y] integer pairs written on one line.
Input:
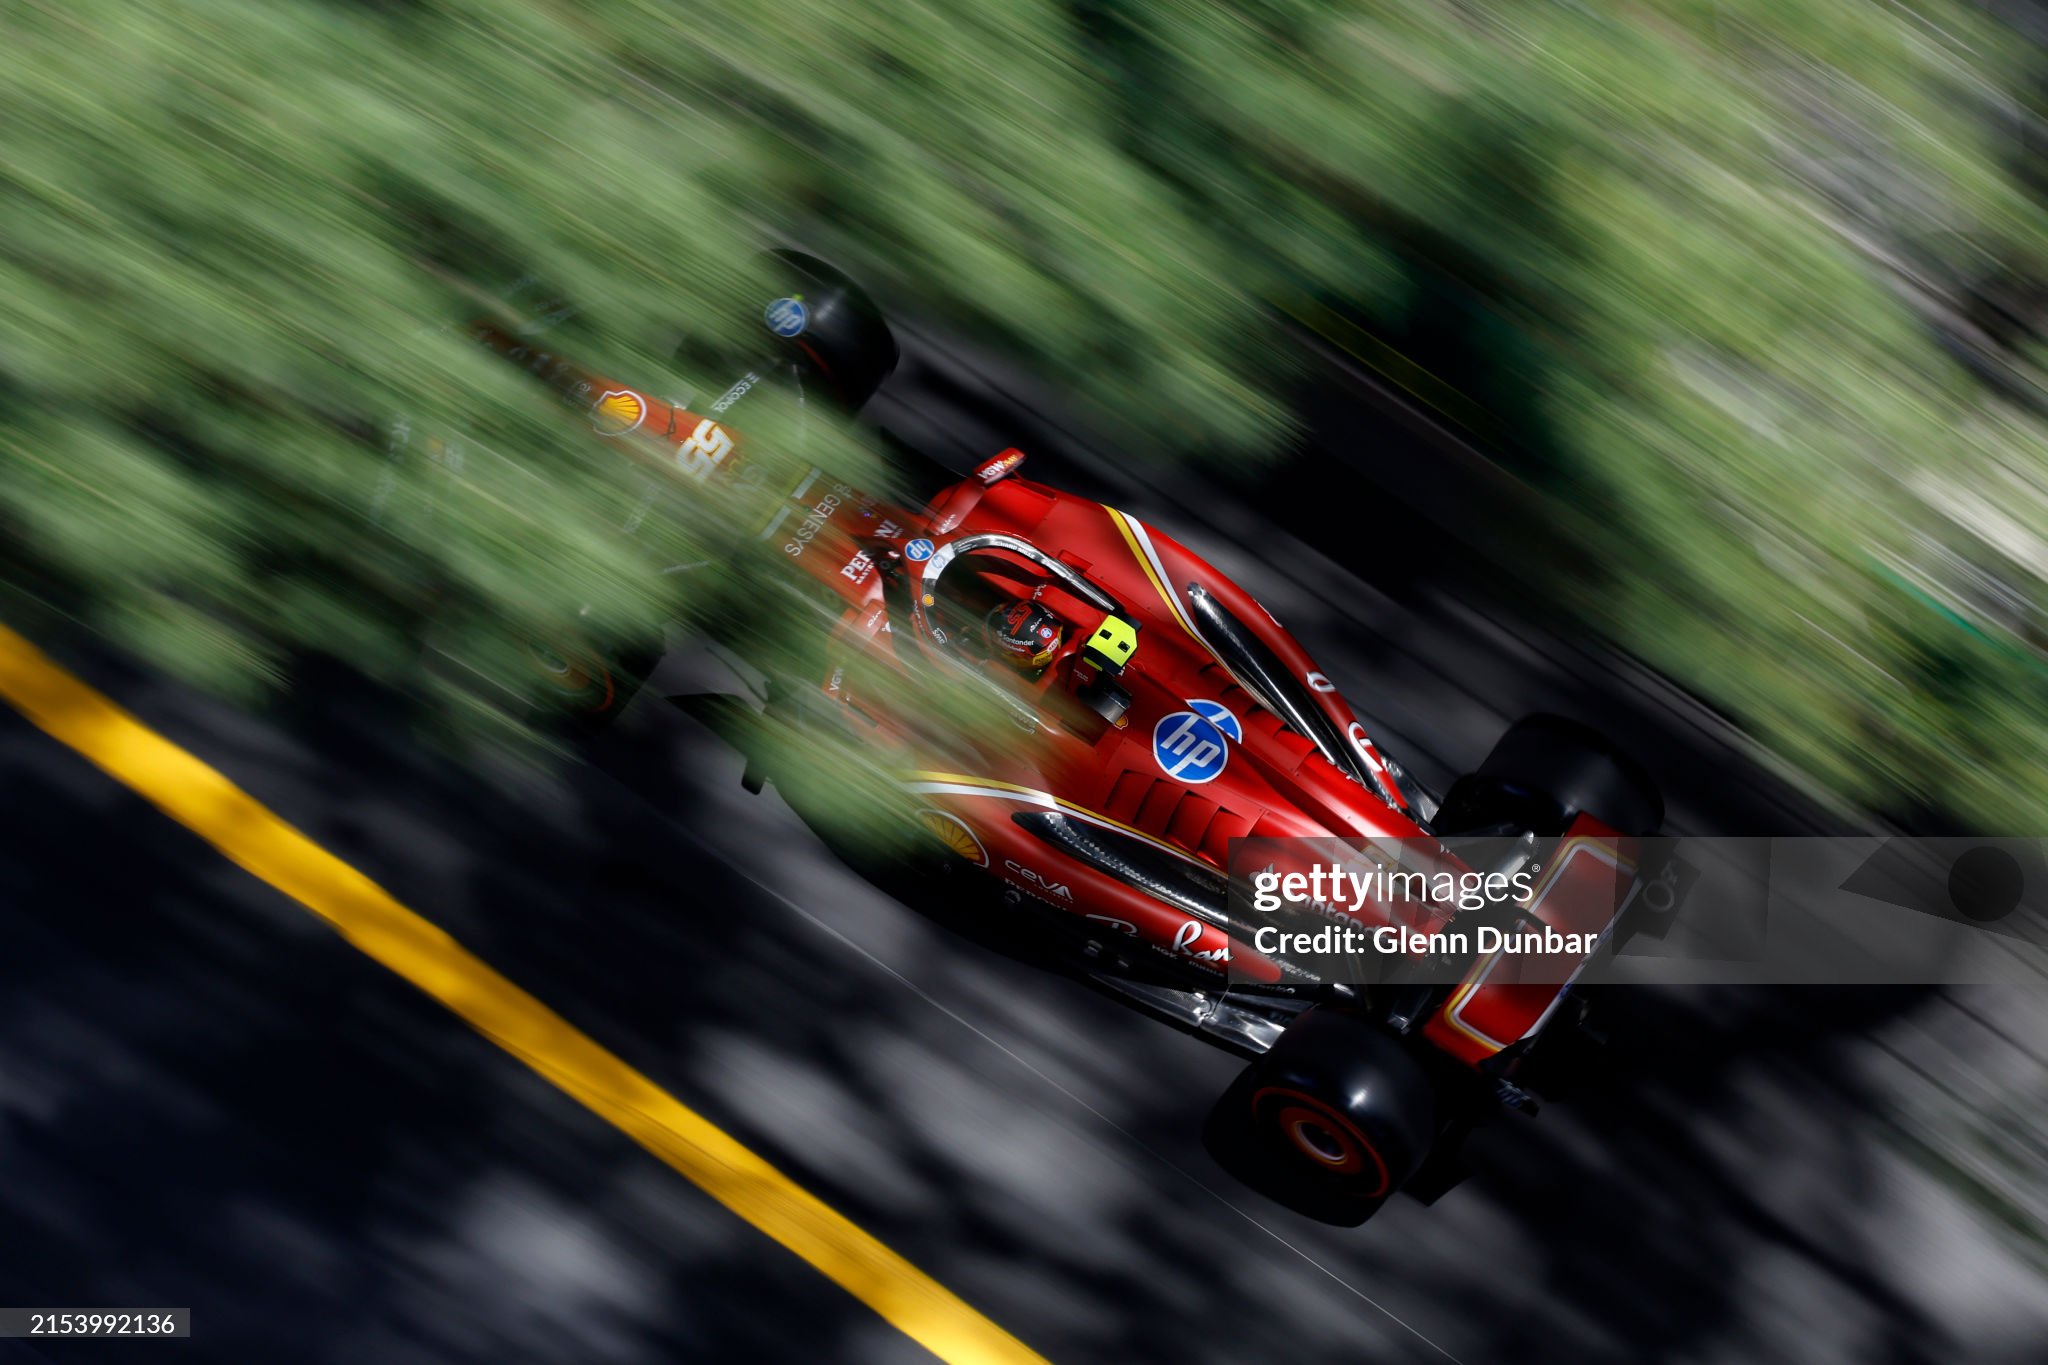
{"points": [[1157, 713]]}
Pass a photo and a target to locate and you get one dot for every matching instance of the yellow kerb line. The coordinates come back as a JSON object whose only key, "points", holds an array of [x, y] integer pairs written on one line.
{"points": [[249, 834]]}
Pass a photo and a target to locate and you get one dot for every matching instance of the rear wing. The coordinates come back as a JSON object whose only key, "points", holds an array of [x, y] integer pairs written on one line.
{"points": [[665, 435]]}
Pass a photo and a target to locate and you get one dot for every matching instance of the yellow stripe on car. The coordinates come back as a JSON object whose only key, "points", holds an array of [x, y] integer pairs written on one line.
{"points": [[1133, 532], [960, 784]]}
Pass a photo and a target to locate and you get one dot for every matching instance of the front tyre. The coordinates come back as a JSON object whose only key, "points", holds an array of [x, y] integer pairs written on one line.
{"points": [[1330, 1122], [1545, 772]]}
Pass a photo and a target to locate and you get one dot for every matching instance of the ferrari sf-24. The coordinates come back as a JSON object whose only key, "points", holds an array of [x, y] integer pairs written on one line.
{"points": [[1158, 714]]}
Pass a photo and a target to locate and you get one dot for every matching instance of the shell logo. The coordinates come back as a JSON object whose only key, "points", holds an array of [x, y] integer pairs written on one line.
{"points": [[958, 839], [618, 411]]}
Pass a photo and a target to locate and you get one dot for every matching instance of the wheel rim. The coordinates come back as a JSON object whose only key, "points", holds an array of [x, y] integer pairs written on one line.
{"points": [[1319, 1134], [1320, 1141], [581, 679]]}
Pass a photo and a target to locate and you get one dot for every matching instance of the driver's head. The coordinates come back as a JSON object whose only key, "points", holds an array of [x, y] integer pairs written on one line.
{"points": [[1023, 634]]}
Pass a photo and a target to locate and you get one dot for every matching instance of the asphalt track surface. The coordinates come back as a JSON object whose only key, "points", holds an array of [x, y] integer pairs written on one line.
{"points": [[208, 1099]]}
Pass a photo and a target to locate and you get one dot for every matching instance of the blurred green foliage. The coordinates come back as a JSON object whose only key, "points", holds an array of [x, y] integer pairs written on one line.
{"points": [[234, 228]]}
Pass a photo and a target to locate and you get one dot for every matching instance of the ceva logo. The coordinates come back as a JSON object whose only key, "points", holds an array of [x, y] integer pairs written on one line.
{"points": [[1189, 747]]}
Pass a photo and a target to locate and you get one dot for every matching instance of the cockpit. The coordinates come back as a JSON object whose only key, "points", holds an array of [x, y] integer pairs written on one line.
{"points": [[971, 584]]}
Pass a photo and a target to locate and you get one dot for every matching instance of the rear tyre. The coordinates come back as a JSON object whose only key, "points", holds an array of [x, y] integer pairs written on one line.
{"points": [[1329, 1122], [584, 686], [1545, 772], [829, 327]]}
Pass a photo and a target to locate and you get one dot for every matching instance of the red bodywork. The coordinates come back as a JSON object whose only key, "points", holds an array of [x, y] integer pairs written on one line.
{"points": [[1269, 780]]}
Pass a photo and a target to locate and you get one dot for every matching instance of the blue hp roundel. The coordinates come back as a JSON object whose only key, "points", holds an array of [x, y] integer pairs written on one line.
{"points": [[1220, 716], [786, 317], [1189, 747], [918, 551]]}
